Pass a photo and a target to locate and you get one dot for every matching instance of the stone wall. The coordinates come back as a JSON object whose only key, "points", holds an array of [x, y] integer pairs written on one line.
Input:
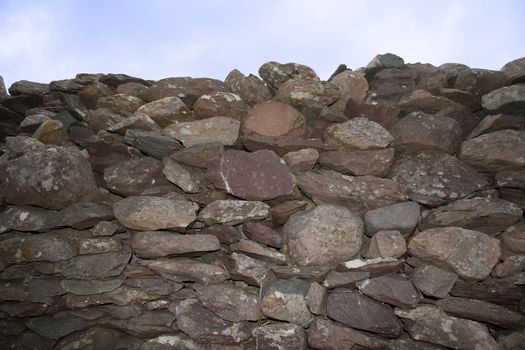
{"points": [[381, 209]]}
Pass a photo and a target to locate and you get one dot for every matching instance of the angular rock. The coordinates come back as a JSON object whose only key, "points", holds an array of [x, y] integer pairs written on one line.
{"points": [[154, 213], [186, 88], [501, 291], [224, 233], [250, 88], [199, 155], [26, 87], [511, 186], [465, 118], [402, 217], [358, 133], [381, 112], [359, 163], [263, 234], [479, 82], [122, 295], [285, 300], [307, 93], [440, 178], [420, 131], [19, 145], [316, 299], [180, 176], [156, 244], [90, 94], [216, 129], [139, 121], [280, 213], [275, 119], [95, 266], [497, 122], [283, 145], [97, 245], [106, 149], [115, 80], [259, 251], [203, 325], [495, 151], [51, 132], [171, 341], [166, 111], [336, 279], [51, 177], [26, 218], [252, 271], [275, 74], [466, 99], [435, 326], [302, 160], [106, 228], [360, 193], [391, 289], [481, 311], [120, 104], [92, 337], [88, 287], [260, 175], [310, 273], [433, 281], [187, 270], [57, 326], [220, 104], [136, 176], [515, 70], [512, 265], [355, 310], [374, 267], [352, 84], [380, 62], [83, 215], [386, 244], [233, 212], [153, 143], [277, 336], [229, 302], [390, 85], [324, 235], [154, 285], [422, 101], [488, 215], [471, 254], [508, 100]]}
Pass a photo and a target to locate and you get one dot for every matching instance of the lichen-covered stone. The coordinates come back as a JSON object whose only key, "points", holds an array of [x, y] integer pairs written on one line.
{"points": [[233, 212]]}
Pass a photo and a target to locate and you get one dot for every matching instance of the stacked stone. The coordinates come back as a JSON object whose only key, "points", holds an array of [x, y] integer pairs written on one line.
{"points": [[382, 209]]}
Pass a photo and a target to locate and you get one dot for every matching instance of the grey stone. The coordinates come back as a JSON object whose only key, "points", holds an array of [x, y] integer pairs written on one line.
{"points": [[156, 244], [508, 100], [233, 212], [280, 336], [402, 217], [433, 281], [153, 143]]}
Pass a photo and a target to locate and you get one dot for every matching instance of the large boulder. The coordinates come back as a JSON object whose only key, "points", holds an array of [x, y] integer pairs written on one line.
{"points": [[515, 70], [250, 88], [324, 235], [215, 129], [358, 133], [275, 74], [51, 177], [275, 119], [508, 100]]}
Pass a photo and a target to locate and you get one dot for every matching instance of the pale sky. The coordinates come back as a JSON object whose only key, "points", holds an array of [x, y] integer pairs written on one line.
{"points": [[45, 40]]}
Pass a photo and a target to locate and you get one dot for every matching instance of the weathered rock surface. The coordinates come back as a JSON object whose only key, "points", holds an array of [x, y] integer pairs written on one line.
{"points": [[187, 270], [355, 310], [471, 254], [166, 111], [154, 213], [250, 88], [51, 177], [402, 217], [275, 119], [260, 175], [391, 289], [386, 244], [433, 281], [156, 244], [220, 104], [433, 325], [215, 129], [359, 163], [275, 74], [488, 215], [358, 133], [322, 236], [508, 100], [440, 178], [280, 336], [233, 212]]}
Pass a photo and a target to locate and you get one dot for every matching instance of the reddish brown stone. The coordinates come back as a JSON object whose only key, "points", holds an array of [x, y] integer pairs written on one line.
{"points": [[374, 162], [263, 234], [166, 111], [383, 113], [120, 104], [102, 119], [51, 132], [225, 104], [250, 88], [391, 289], [515, 70], [283, 145], [498, 122], [259, 175], [465, 118], [275, 74], [282, 212], [479, 82], [462, 97], [274, 119]]}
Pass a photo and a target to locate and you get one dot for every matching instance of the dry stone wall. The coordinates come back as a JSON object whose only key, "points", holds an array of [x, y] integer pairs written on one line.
{"points": [[381, 209]]}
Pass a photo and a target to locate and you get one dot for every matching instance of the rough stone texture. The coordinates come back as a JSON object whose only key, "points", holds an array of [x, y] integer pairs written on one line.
{"points": [[359, 163], [508, 100], [280, 336], [26, 218], [358, 133], [355, 310], [156, 244], [274, 119], [259, 251], [433, 281], [381, 112], [180, 176], [166, 111], [284, 299], [391, 289], [308, 93], [302, 160], [511, 186], [488, 215], [216, 129], [153, 143], [275, 74], [360, 193], [316, 299], [495, 151], [187, 270], [52, 132], [230, 302], [51, 177], [322, 236], [262, 233], [220, 104], [479, 82], [402, 217], [433, 325], [250, 88], [419, 131], [260, 175], [386, 244], [497, 122], [154, 213], [353, 85], [380, 62], [515, 70], [233, 212], [137, 121], [440, 178], [471, 254]]}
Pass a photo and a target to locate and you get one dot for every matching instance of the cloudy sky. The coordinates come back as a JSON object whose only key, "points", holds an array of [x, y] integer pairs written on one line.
{"points": [[44, 40]]}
